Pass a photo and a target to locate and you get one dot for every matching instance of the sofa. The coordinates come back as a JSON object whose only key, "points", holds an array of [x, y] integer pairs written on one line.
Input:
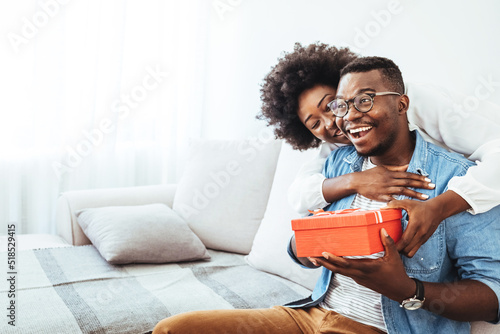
{"points": [[125, 258]]}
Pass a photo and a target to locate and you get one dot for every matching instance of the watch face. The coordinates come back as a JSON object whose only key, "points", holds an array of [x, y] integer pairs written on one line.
{"points": [[412, 304]]}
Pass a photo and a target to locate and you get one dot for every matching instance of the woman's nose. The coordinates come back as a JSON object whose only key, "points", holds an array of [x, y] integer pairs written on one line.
{"points": [[329, 123]]}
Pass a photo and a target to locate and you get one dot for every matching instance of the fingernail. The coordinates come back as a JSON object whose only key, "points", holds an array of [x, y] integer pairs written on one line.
{"points": [[427, 179], [385, 232], [424, 196], [313, 261], [432, 185], [325, 255]]}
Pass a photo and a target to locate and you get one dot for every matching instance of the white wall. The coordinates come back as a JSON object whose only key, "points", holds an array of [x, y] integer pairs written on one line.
{"points": [[454, 44], [63, 77]]}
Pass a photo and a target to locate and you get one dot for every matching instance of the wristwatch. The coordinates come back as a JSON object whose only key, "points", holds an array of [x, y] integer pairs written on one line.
{"points": [[415, 302]]}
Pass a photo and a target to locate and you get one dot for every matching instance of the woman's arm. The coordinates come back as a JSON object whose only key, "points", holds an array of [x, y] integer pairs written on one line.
{"points": [[480, 186], [469, 125], [305, 193], [379, 183], [445, 119], [311, 190]]}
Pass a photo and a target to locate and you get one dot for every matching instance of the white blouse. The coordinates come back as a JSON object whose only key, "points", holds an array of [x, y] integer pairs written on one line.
{"points": [[468, 125]]}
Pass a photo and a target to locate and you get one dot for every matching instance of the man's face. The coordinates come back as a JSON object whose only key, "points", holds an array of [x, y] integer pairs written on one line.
{"points": [[374, 132], [316, 116]]}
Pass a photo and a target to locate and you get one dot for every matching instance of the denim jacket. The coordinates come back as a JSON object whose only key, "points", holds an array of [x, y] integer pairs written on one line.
{"points": [[464, 246]]}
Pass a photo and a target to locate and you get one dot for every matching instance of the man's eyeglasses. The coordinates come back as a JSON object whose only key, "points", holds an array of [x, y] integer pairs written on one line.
{"points": [[362, 102]]}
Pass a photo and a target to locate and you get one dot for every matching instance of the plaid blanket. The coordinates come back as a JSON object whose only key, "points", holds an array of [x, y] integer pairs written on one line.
{"points": [[74, 290]]}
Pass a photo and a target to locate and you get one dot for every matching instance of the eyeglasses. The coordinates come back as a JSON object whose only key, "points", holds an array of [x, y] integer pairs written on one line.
{"points": [[362, 102]]}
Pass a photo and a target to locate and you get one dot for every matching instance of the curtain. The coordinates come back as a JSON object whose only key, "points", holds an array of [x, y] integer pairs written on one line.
{"points": [[96, 94]]}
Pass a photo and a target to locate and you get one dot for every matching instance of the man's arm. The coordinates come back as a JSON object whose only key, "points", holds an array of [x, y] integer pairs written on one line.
{"points": [[292, 251], [465, 300]]}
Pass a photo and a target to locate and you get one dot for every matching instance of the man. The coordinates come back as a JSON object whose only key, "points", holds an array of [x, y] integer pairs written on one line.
{"points": [[370, 107], [438, 115], [459, 266]]}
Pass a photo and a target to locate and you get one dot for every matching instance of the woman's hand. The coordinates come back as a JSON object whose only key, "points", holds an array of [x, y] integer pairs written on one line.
{"points": [[382, 184], [425, 217], [379, 183]]}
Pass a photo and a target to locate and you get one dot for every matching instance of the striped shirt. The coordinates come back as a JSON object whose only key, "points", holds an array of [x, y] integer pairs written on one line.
{"points": [[347, 297]]}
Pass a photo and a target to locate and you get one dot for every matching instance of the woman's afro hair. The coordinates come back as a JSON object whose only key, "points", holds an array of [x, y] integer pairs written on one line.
{"points": [[302, 69]]}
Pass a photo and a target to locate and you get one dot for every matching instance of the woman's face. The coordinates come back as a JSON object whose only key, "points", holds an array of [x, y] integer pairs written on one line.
{"points": [[316, 116]]}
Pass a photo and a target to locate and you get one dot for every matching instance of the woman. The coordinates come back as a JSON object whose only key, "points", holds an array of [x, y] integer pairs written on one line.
{"points": [[291, 106]]}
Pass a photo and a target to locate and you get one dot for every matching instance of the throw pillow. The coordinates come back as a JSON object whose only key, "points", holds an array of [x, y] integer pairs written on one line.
{"points": [[151, 233], [224, 190], [269, 250]]}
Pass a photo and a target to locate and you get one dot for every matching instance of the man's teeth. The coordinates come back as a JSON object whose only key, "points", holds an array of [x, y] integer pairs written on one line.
{"points": [[366, 128]]}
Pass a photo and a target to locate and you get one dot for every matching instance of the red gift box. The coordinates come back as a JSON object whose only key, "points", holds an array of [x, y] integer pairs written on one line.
{"points": [[349, 232]]}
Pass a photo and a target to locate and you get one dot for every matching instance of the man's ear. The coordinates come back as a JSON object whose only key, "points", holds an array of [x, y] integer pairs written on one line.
{"points": [[404, 104]]}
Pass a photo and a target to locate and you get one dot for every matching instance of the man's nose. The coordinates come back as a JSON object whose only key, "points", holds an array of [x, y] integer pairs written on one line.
{"points": [[352, 113]]}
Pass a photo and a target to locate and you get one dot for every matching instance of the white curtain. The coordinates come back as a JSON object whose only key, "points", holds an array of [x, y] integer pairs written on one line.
{"points": [[96, 94]]}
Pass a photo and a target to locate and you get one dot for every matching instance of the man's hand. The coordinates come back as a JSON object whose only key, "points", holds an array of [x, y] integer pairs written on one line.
{"points": [[425, 217], [385, 275]]}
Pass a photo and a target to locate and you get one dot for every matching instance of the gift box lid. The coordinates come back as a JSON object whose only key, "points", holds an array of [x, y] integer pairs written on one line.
{"points": [[345, 218]]}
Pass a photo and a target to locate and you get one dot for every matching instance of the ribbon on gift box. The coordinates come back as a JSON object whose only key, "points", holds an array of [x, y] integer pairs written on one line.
{"points": [[321, 212]]}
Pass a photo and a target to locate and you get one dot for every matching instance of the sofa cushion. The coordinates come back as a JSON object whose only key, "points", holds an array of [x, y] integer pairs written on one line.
{"points": [[269, 250], [74, 290], [224, 189], [151, 233]]}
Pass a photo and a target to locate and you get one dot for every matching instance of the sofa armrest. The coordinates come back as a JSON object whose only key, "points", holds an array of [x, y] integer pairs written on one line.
{"points": [[72, 201]]}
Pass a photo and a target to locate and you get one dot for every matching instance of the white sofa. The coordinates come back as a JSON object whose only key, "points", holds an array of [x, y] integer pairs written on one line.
{"points": [[266, 235]]}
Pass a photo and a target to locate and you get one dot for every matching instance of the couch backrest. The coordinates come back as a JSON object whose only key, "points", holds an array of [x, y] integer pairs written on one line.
{"points": [[69, 203]]}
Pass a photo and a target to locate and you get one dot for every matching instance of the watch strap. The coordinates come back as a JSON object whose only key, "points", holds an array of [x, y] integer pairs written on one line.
{"points": [[419, 292], [417, 301]]}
